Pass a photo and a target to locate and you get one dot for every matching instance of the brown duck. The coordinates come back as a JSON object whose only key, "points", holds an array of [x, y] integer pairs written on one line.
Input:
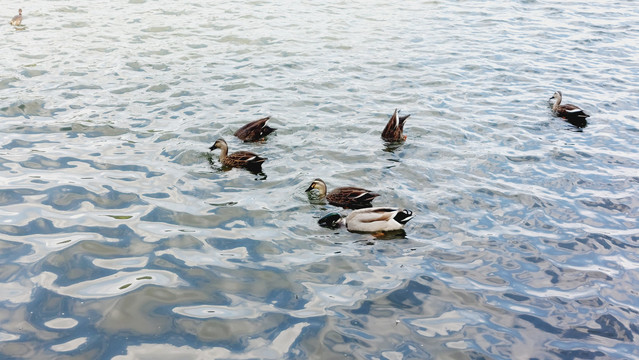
{"points": [[17, 20], [346, 197], [394, 130], [569, 112], [255, 130], [243, 159]]}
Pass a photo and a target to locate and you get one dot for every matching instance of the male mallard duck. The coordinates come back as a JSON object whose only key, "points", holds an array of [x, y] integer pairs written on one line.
{"points": [[394, 130], [377, 219], [17, 20], [244, 159], [346, 197], [571, 113], [254, 130]]}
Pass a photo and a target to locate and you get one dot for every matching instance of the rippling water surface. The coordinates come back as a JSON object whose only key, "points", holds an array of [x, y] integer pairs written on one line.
{"points": [[122, 237]]}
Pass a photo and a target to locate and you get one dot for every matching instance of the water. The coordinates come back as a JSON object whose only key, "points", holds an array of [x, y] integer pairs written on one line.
{"points": [[122, 238]]}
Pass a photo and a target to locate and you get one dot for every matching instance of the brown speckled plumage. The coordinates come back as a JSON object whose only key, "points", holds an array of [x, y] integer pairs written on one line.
{"points": [[255, 130], [569, 112], [394, 130], [244, 159], [347, 197]]}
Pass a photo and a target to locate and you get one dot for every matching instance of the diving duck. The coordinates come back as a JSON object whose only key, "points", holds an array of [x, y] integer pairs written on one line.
{"points": [[17, 20], [347, 197], [254, 130], [394, 130], [243, 159], [569, 112], [372, 220]]}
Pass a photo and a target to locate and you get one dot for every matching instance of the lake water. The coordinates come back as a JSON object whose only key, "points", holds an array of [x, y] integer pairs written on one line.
{"points": [[121, 237]]}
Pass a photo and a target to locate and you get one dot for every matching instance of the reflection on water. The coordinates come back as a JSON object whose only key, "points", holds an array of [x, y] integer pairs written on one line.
{"points": [[123, 237]]}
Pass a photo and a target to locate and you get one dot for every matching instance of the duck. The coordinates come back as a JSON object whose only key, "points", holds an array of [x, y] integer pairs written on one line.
{"points": [[569, 112], [245, 159], [370, 220], [17, 20], [347, 197], [255, 130], [394, 130]]}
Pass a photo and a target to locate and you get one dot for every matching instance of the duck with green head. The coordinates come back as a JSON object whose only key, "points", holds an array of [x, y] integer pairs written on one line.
{"points": [[370, 220]]}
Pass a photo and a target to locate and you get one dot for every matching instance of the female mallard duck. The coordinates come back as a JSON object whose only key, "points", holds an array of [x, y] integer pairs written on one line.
{"points": [[244, 159], [17, 20], [394, 130], [346, 197], [377, 219], [254, 130], [571, 113]]}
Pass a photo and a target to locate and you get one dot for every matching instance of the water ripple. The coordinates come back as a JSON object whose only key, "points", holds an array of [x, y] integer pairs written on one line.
{"points": [[113, 285], [123, 237]]}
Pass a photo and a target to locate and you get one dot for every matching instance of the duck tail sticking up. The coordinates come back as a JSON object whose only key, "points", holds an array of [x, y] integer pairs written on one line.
{"points": [[394, 130]]}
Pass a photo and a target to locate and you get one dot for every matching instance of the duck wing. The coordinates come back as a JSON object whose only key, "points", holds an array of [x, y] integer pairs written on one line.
{"points": [[243, 159], [573, 110], [573, 114], [352, 197], [378, 219], [375, 214]]}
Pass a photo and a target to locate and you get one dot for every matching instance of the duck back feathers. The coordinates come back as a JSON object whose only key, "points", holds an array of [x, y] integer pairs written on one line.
{"points": [[378, 219], [255, 130], [351, 197], [244, 159]]}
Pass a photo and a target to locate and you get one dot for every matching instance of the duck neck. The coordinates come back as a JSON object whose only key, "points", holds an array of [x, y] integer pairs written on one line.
{"points": [[557, 102], [321, 188], [224, 150]]}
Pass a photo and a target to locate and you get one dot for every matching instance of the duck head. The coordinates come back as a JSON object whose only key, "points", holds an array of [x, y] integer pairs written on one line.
{"points": [[219, 144], [332, 221], [318, 184], [556, 97]]}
